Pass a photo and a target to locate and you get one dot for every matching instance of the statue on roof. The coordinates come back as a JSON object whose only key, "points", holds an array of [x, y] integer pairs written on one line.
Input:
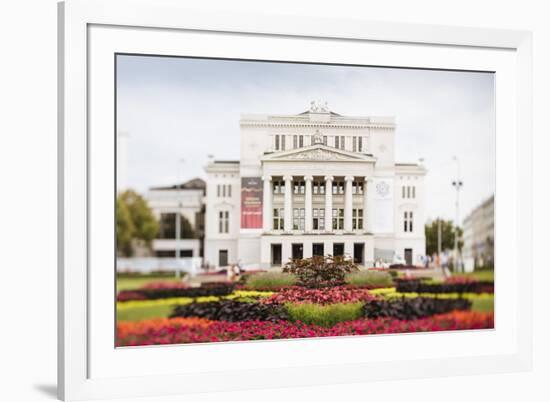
{"points": [[317, 137], [319, 107]]}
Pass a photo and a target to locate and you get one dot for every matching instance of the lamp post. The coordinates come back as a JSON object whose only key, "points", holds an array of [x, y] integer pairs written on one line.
{"points": [[457, 184], [178, 216]]}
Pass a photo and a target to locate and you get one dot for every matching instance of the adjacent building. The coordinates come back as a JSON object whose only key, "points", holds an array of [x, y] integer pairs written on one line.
{"points": [[479, 234], [316, 183]]}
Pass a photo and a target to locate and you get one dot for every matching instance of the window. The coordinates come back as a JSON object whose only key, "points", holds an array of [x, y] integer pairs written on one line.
{"points": [[301, 141], [354, 144], [278, 187], [357, 217], [229, 190], [360, 147], [277, 143], [357, 187], [299, 219], [342, 142], [338, 218], [219, 191], [336, 142], [408, 221], [167, 227], [325, 140], [408, 191], [413, 191], [402, 191], [318, 218], [283, 145], [299, 187], [318, 187], [278, 219], [295, 141], [223, 225], [338, 187]]}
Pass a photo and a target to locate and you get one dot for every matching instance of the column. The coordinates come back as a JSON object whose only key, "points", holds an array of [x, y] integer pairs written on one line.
{"points": [[267, 204], [348, 204], [288, 203], [309, 203], [368, 204], [328, 205]]}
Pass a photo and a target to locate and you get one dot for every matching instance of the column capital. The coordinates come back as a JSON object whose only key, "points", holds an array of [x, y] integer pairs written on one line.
{"points": [[287, 178], [349, 178], [329, 178], [308, 178], [268, 178]]}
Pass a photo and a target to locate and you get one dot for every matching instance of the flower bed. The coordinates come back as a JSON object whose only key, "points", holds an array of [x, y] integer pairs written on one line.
{"points": [[215, 289], [336, 294], [178, 330], [230, 310], [413, 308], [418, 286]]}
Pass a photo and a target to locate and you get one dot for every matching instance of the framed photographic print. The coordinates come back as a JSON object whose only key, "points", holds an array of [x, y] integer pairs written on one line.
{"points": [[291, 200]]}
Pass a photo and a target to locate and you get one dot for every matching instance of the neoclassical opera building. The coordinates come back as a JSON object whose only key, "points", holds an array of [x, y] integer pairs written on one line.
{"points": [[316, 183]]}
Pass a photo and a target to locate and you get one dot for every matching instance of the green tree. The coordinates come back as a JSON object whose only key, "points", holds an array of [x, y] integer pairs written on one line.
{"points": [[145, 225], [124, 228], [186, 229], [447, 236]]}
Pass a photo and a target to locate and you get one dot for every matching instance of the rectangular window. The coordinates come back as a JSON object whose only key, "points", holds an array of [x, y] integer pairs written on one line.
{"points": [[338, 218], [360, 144], [408, 191], [357, 218], [218, 190], [318, 187], [229, 190], [299, 187], [338, 187], [354, 144], [299, 219], [405, 221], [167, 227], [408, 222], [414, 192], [283, 145], [301, 141], [278, 219], [357, 187], [336, 142], [325, 140], [342, 142], [223, 224], [318, 218], [295, 141], [223, 190], [277, 143], [402, 191]]}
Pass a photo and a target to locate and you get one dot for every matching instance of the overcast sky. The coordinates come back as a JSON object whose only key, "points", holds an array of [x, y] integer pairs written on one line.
{"points": [[178, 108]]}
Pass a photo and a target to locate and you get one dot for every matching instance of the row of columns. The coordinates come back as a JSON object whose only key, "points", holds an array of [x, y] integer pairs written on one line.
{"points": [[308, 201]]}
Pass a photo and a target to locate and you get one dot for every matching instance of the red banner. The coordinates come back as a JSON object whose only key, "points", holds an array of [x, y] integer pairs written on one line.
{"points": [[251, 202]]}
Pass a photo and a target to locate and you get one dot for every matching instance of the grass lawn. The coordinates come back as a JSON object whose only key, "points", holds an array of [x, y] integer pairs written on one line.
{"points": [[485, 305], [143, 313], [125, 283]]}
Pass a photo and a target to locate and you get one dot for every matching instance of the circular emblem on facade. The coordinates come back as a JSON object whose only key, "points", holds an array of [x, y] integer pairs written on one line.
{"points": [[382, 188]]}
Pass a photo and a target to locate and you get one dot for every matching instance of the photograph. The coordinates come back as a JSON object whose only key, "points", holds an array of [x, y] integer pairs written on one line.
{"points": [[274, 200]]}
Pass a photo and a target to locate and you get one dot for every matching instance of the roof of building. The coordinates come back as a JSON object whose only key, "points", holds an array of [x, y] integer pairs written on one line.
{"points": [[193, 184]]}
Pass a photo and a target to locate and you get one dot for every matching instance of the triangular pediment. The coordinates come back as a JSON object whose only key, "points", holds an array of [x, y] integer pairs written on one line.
{"points": [[318, 152]]}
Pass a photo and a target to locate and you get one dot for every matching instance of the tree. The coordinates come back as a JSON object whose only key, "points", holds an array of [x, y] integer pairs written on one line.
{"points": [[124, 228], [145, 225], [447, 236], [186, 229]]}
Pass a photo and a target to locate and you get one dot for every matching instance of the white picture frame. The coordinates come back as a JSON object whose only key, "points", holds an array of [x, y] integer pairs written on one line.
{"points": [[90, 31]]}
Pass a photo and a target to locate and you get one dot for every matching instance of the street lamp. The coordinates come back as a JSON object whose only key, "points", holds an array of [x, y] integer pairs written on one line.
{"points": [[457, 184], [178, 215]]}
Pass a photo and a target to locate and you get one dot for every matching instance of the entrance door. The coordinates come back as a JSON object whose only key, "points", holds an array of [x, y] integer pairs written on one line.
{"points": [[318, 249], [223, 258], [276, 254], [297, 251], [408, 256], [338, 249], [358, 252]]}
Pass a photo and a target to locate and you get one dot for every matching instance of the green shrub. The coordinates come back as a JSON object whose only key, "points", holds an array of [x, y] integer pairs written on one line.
{"points": [[270, 280], [370, 278], [318, 271], [325, 316]]}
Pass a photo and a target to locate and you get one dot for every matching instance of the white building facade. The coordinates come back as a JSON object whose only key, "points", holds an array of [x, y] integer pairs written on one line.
{"points": [[317, 183]]}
